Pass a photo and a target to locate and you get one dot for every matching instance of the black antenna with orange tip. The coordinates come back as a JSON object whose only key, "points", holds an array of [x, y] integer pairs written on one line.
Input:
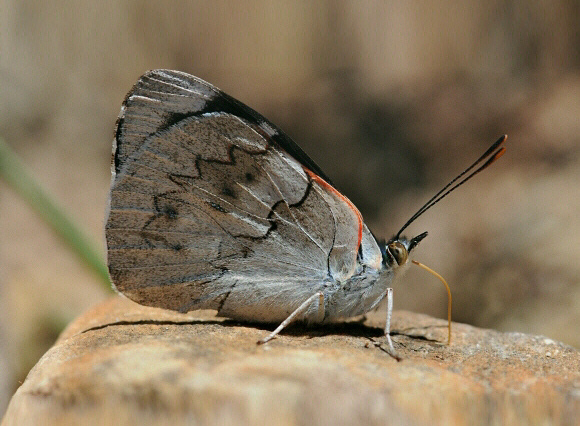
{"points": [[492, 154]]}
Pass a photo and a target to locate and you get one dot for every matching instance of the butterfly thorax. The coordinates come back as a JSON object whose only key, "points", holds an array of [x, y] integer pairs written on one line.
{"points": [[366, 288]]}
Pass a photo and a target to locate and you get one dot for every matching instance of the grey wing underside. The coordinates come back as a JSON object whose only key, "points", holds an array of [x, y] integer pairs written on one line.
{"points": [[207, 212]]}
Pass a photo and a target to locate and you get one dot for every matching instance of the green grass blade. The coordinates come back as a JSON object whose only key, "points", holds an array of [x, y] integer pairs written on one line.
{"points": [[14, 173]]}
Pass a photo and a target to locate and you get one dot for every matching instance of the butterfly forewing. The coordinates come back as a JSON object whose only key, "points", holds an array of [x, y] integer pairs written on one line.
{"points": [[209, 210]]}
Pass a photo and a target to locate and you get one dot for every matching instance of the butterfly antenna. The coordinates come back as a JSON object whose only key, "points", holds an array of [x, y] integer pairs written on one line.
{"points": [[492, 154]]}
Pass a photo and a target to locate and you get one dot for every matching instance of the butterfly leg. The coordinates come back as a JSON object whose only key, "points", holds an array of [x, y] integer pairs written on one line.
{"points": [[391, 349], [299, 311]]}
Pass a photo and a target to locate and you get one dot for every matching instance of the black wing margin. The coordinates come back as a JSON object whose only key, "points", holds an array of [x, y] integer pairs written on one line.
{"points": [[192, 97]]}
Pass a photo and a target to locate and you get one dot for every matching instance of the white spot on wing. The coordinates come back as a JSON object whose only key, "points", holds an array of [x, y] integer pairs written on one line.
{"points": [[268, 128]]}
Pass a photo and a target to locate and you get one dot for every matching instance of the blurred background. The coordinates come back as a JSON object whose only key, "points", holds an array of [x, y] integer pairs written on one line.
{"points": [[391, 99]]}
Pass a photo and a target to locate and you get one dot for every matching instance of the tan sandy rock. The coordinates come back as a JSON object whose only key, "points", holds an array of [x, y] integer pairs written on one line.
{"points": [[124, 364]]}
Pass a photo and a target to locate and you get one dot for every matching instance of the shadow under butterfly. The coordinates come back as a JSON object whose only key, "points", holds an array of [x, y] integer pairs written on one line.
{"points": [[214, 207]]}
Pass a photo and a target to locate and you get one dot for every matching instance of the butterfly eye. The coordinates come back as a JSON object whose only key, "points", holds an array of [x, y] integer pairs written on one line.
{"points": [[399, 252]]}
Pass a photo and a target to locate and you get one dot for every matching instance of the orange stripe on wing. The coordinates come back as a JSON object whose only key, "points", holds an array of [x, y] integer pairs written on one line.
{"points": [[350, 204]]}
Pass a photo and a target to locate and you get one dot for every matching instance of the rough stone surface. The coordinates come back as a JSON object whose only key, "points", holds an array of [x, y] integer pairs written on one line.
{"points": [[125, 364]]}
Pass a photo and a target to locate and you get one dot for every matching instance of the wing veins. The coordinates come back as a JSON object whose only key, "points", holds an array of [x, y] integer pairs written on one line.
{"points": [[176, 86], [296, 222]]}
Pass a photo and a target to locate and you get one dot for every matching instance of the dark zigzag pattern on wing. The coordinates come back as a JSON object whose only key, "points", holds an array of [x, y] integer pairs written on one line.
{"points": [[171, 212], [224, 103]]}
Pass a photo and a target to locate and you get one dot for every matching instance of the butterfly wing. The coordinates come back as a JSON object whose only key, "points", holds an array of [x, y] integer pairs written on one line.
{"points": [[214, 207]]}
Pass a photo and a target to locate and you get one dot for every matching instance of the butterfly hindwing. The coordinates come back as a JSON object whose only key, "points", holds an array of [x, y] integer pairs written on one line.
{"points": [[214, 207]]}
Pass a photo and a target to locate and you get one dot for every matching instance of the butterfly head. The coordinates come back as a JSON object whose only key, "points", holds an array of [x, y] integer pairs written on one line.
{"points": [[396, 251]]}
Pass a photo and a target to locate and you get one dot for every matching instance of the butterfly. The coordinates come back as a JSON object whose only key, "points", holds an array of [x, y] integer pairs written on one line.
{"points": [[214, 207]]}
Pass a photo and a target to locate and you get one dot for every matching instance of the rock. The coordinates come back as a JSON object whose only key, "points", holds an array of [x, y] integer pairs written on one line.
{"points": [[125, 364]]}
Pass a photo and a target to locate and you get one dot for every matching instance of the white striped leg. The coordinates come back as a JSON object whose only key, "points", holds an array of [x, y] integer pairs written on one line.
{"points": [[299, 311], [391, 349]]}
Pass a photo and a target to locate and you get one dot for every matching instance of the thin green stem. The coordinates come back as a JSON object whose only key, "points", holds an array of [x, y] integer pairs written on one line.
{"points": [[15, 174]]}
